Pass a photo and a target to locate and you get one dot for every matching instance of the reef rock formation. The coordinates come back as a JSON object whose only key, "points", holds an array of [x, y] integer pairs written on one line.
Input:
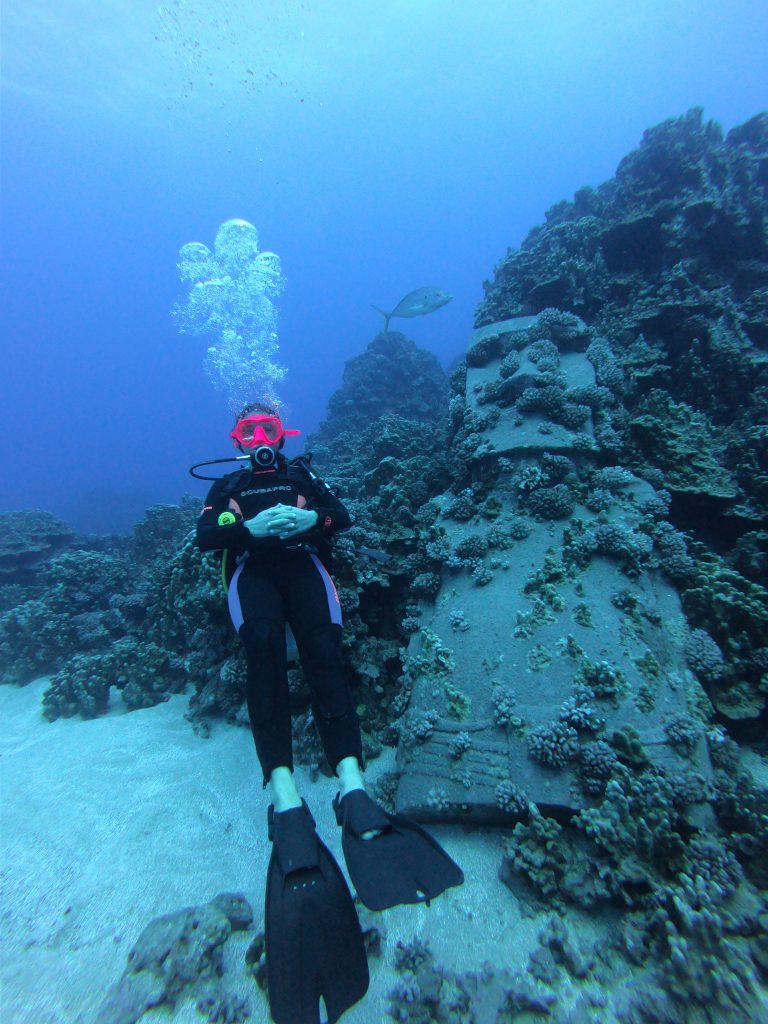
{"points": [[668, 264], [554, 650], [30, 537], [392, 376], [177, 954]]}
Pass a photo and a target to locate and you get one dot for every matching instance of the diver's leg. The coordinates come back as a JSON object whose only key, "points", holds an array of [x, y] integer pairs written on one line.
{"points": [[350, 775], [257, 611], [314, 614], [283, 789]]}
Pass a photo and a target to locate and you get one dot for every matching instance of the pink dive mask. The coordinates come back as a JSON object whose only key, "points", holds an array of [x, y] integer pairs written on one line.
{"points": [[255, 430]]}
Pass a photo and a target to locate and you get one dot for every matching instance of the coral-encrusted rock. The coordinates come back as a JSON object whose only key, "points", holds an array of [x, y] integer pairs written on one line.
{"points": [[667, 263], [29, 537], [683, 444], [575, 643], [176, 953], [548, 395], [393, 375]]}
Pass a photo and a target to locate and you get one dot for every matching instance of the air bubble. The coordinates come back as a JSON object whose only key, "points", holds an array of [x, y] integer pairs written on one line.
{"points": [[232, 299]]}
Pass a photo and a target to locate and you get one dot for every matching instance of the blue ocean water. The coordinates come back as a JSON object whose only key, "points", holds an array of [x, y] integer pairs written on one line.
{"points": [[375, 147]]}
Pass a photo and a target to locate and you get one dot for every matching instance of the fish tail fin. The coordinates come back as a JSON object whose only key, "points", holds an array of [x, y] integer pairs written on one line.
{"points": [[385, 315]]}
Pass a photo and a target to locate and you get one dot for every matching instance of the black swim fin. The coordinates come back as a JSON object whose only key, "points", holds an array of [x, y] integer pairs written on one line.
{"points": [[314, 943], [402, 865]]}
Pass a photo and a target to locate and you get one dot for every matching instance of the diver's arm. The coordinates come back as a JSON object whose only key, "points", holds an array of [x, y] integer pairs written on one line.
{"points": [[215, 536], [332, 516], [321, 515]]}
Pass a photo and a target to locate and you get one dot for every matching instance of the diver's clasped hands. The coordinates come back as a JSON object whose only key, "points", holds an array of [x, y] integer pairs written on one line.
{"points": [[282, 521]]}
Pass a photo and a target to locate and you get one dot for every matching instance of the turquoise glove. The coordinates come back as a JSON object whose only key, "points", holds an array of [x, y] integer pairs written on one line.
{"points": [[272, 521], [281, 521], [303, 519]]}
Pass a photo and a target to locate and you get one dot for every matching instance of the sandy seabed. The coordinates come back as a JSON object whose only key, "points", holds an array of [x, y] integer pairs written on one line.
{"points": [[107, 824]]}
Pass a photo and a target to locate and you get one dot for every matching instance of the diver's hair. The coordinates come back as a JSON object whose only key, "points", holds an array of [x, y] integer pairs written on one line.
{"points": [[258, 408]]}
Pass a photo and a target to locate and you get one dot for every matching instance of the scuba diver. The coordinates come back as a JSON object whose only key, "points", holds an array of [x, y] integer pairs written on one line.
{"points": [[273, 522]]}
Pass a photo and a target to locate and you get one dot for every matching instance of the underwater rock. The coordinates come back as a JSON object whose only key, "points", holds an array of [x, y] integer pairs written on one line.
{"points": [[576, 625], [174, 953], [393, 376], [495, 340], [667, 262], [236, 908], [510, 432], [29, 537], [223, 1008]]}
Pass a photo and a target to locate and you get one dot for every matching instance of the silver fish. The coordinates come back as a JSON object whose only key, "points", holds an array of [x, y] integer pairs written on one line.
{"points": [[376, 554], [419, 303]]}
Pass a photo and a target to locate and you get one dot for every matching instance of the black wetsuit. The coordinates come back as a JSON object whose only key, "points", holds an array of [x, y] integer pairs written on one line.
{"points": [[277, 581]]}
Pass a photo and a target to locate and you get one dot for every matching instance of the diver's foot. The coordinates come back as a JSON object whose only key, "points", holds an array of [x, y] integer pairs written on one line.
{"points": [[403, 865], [351, 779], [371, 833], [349, 775], [343, 790]]}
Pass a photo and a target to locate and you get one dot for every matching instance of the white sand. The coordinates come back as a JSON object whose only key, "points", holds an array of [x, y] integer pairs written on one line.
{"points": [[109, 823]]}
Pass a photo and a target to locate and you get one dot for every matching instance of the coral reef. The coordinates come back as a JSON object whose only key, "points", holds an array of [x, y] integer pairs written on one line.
{"points": [[73, 612], [143, 614], [597, 764], [392, 376], [553, 745], [682, 443], [145, 673], [30, 538], [705, 961], [511, 798], [704, 657], [668, 264]]}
